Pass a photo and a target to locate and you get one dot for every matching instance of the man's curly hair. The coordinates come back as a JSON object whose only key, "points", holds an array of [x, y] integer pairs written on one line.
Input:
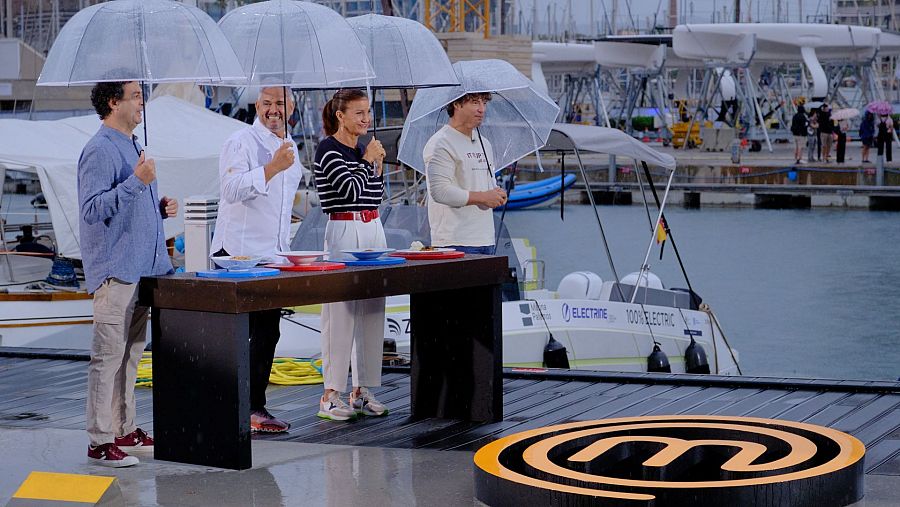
{"points": [[486, 96], [102, 93]]}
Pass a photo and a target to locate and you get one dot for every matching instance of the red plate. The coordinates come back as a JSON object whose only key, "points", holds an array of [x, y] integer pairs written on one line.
{"points": [[313, 266], [428, 256]]}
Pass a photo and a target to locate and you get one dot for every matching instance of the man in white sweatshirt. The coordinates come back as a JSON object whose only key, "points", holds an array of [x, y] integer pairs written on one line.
{"points": [[459, 166]]}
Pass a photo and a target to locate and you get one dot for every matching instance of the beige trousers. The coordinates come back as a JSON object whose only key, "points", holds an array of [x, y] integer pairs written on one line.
{"points": [[352, 331], [120, 328]]}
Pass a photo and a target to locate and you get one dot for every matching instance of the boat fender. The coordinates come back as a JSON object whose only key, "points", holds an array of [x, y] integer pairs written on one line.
{"points": [[580, 285], [555, 354], [647, 280], [658, 361], [695, 358]]}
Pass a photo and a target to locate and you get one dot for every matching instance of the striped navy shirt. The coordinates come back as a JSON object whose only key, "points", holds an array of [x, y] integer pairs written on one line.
{"points": [[344, 181]]}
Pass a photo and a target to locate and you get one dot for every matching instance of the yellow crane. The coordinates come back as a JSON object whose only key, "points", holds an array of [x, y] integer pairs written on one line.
{"points": [[458, 16]]}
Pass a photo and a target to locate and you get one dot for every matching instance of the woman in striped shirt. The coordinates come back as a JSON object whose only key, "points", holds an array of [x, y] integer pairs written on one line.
{"points": [[350, 186]]}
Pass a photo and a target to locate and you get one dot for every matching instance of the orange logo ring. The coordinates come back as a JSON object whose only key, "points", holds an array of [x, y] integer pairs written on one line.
{"points": [[673, 460]]}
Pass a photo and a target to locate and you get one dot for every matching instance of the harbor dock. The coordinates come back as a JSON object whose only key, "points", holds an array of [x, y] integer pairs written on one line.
{"points": [[397, 460]]}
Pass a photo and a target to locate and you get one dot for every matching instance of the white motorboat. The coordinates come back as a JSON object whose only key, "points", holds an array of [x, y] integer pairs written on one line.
{"points": [[603, 325], [32, 315]]}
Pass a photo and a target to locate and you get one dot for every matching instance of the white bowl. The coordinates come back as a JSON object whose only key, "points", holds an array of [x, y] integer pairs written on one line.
{"points": [[230, 263], [301, 257]]}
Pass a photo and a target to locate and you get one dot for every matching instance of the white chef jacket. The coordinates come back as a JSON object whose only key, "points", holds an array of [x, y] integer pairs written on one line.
{"points": [[254, 215]]}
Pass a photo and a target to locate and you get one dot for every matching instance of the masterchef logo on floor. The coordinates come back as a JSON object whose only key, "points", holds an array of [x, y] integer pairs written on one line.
{"points": [[672, 460], [661, 319], [583, 312]]}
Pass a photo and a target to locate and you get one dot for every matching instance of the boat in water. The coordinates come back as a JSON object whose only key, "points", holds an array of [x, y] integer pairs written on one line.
{"points": [[538, 194], [614, 324], [635, 323]]}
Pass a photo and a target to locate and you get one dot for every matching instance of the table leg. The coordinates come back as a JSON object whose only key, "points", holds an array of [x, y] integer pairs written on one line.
{"points": [[201, 388], [457, 353]]}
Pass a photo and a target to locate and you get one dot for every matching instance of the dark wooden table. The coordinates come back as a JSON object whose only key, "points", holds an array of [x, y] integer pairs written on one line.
{"points": [[200, 326]]}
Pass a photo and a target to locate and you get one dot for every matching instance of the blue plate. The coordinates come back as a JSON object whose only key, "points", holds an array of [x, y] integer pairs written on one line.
{"points": [[365, 254], [384, 261], [241, 273]]}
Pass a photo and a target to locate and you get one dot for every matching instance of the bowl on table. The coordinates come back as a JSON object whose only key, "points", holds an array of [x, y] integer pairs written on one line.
{"points": [[367, 254], [301, 257], [236, 262]]}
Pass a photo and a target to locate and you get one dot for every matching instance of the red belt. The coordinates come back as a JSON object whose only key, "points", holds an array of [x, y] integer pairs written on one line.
{"points": [[365, 215]]}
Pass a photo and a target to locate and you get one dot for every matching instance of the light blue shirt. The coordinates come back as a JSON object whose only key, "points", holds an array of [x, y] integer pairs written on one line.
{"points": [[120, 225]]}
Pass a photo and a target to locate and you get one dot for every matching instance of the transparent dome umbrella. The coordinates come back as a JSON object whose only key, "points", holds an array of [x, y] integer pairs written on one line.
{"points": [[299, 45], [517, 121], [150, 41], [403, 53]]}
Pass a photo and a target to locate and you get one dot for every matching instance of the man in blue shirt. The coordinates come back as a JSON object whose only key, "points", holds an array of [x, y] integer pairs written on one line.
{"points": [[122, 239]]}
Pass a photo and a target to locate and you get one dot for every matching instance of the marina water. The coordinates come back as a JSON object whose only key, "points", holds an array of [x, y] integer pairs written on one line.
{"points": [[799, 293]]}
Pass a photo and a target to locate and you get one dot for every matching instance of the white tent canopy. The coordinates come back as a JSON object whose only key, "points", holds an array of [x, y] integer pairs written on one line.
{"points": [[586, 138], [186, 144]]}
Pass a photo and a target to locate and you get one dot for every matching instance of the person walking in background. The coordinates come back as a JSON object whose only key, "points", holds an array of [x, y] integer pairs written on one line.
{"points": [[885, 137], [840, 131], [350, 186], [867, 134], [799, 124], [122, 239], [259, 172], [826, 131], [812, 137]]}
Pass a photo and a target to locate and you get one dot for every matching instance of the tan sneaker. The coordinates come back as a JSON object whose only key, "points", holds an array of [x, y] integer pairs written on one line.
{"points": [[334, 408], [366, 404]]}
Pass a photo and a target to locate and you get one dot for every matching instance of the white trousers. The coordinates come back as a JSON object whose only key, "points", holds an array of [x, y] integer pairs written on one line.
{"points": [[119, 335], [352, 331]]}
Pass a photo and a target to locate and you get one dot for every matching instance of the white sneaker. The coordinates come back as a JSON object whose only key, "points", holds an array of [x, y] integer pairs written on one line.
{"points": [[335, 408], [366, 404]]}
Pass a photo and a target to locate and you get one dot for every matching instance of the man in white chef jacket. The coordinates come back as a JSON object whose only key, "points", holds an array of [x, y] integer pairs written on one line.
{"points": [[259, 172]]}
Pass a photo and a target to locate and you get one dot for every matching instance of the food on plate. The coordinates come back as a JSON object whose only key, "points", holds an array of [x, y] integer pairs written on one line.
{"points": [[241, 258], [416, 245]]}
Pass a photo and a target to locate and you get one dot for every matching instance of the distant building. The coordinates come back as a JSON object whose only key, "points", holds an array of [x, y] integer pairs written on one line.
{"points": [[883, 14], [875, 13]]}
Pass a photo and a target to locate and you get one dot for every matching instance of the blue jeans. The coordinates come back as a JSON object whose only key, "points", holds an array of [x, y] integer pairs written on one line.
{"points": [[483, 250]]}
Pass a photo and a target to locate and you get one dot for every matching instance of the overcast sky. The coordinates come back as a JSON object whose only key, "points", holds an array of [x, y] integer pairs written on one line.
{"points": [[642, 12]]}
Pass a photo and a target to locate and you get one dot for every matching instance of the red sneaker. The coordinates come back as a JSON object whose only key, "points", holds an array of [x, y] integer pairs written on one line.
{"points": [[135, 441], [109, 455], [263, 422]]}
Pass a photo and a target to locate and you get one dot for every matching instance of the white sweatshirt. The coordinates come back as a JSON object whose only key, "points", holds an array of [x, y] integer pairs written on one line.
{"points": [[454, 165]]}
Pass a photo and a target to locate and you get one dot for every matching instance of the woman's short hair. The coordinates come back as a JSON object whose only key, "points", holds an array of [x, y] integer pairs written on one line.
{"points": [[103, 92], [469, 97], [339, 102]]}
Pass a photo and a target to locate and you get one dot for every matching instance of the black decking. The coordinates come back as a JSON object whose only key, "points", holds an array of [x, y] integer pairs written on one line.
{"points": [[48, 391]]}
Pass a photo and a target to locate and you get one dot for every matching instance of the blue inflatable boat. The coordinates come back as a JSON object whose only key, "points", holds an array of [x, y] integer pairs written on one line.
{"points": [[537, 194]]}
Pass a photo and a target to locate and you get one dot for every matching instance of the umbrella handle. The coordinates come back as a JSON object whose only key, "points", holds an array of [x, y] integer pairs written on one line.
{"points": [[144, 108]]}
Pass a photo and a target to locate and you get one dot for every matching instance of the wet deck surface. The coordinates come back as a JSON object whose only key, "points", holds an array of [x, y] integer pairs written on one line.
{"points": [[49, 394]]}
